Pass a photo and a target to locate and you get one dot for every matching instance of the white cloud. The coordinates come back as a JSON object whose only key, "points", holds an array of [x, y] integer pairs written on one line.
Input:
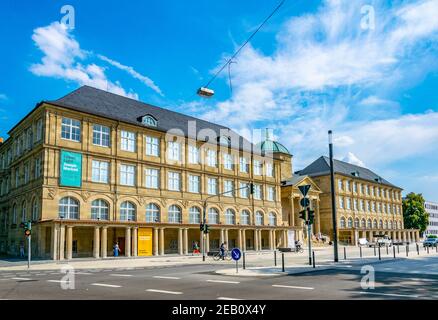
{"points": [[351, 158], [147, 81]]}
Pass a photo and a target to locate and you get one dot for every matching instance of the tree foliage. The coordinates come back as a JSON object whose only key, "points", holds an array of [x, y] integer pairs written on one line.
{"points": [[414, 214]]}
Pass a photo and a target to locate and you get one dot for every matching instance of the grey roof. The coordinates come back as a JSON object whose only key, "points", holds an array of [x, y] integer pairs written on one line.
{"points": [[105, 104], [321, 166], [292, 181]]}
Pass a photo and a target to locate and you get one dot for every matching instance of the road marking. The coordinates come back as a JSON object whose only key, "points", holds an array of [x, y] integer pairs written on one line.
{"points": [[226, 298], [164, 291], [223, 281], [164, 277], [21, 279], [83, 273], [40, 274], [120, 275], [106, 285], [56, 281], [292, 287], [390, 294]]}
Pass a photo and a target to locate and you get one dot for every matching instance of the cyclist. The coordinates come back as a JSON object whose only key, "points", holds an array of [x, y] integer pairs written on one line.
{"points": [[298, 245], [223, 248]]}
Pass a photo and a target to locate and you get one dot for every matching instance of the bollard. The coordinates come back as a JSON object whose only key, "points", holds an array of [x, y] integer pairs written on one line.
{"points": [[282, 261], [313, 258], [275, 258], [407, 250], [360, 251], [427, 249], [418, 250], [380, 258], [436, 248], [244, 264], [375, 250], [398, 248], [393, 249], [345, 253], [387, 249]]}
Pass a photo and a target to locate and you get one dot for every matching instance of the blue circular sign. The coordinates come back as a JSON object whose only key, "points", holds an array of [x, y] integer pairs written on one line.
{"points": [[236, 254]]}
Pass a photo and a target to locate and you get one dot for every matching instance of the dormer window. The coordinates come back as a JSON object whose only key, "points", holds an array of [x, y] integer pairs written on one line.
{"points": [[149, 120]]}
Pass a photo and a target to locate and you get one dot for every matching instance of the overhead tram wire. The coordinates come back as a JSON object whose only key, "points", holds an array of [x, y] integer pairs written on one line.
{"points": [[243, 45]]}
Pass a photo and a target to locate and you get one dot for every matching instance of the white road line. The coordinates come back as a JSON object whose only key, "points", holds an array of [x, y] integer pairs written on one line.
{"points": [[120, 275], [292, 287], [223, 281], [164, 291], [226, 298], [83, 273], [165, 277], [106, 285], [55, 281], [21, 279], [390, 294]]}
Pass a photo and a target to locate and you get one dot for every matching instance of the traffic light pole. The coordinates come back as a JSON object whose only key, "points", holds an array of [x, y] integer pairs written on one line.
{"points": [[309, 236], [29, 245], [332, 183]]}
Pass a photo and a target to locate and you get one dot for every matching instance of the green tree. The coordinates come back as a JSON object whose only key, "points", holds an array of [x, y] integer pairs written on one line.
{"points": [[414, 215]]}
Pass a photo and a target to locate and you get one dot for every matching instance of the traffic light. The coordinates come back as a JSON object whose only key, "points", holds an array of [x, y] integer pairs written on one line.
{"points": [[311, 216], [206, 228], [27, 228], [303, 214], [201, 227], [251, 188]]}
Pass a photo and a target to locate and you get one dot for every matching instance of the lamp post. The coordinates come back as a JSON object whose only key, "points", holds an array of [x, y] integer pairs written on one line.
{"points": [[332, 184]]}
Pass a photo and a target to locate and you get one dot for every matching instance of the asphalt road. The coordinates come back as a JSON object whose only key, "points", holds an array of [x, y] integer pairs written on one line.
{"points": [[195, 282]]}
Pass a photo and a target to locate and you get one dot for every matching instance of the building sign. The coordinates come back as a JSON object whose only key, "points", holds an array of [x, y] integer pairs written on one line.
{"points": [[144, 242], [70, 169]]}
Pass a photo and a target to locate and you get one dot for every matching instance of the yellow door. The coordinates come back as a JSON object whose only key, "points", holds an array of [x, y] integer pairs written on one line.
{"points": [[144, 242]]}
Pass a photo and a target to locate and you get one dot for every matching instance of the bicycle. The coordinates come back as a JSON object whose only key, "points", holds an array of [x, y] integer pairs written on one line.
{"points": [[298, 249], [218, 256]]}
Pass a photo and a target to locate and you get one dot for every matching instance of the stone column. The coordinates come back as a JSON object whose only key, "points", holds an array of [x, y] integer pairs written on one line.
{"points": [[256, 240], [54, 243], [69, 242], [128, 242], [274, 239], [226, 237], [134, 241], [417, 236], [404, 236], [61, 244], [243, 239], [291, 198], [104, 242], [285, 238], [180, 241], [239, 239], [96, 242], [271, 239], [186, 241], [260, 240], [222, 236], [162, 241], [155, 243]]}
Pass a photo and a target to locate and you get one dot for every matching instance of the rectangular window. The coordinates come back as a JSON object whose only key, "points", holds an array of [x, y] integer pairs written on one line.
{"points": [[271, 193], [152, 146], [17, 178], [269, 169], [243, 165], [101, 135], [152, 178], [37, 172], [354, 187], [340, 184], [174, 151], [341, 203], [244, 192], [127, 141], [362, 205], [347, 185], [228, 161], [26, 173], [355, 206], [127, 175], [212, 186], [99, 171], [39, 130], [258, 192], [71, 129], [211, 158], [228, 187], [348, 204], [29, 138], [257, 168], [194, 183], [173, 182], [193, 155]]}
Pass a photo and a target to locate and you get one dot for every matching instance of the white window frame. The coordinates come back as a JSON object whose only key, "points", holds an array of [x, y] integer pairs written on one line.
{"points": [[101, 135], [127, 175], [152, 146], [173, 151], [152, 178], [244, 192], [243, 165], [194, 154], [229, 186], [194, 183], [211, 158], [257, 164], [70, 129], [271, 193], [99, 171], [212, 186], [228, 161], [174, 181], [127, 141]]}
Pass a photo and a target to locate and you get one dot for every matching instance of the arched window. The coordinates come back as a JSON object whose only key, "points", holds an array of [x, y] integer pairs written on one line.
{"points": [[68, 208], [174, 214], [127, 211], [350, 222], [194, 215], [375, 224], [230, 217], [14, 214], [99, 210], [369, 224], [152, 213], [148, 120], [342, 222], [272, 219], [386, 224], [244, 217], [213, 216], [259, 218], [23, 211], [363, 223], [381, 224], [35, 210], [356, 223]]}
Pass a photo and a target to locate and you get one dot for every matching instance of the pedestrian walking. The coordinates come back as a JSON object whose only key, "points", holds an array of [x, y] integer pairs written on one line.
{"points": [[195, 248], [21, 250], [116, 249]]}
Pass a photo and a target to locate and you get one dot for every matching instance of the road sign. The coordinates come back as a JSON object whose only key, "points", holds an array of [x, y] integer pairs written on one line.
{"points": [[305, 202], [304, 189], [236, 254]]}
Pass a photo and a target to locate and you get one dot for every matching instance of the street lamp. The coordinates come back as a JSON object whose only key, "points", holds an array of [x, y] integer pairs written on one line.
{"points": [[332, 184]]}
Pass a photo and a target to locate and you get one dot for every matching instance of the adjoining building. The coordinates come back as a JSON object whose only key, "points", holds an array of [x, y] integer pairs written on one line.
{"points": [[367, 205], [432, 210], [94, 168]]}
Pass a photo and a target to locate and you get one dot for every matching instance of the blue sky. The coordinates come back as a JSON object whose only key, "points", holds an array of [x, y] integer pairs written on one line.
{"points": [[366, 69]]}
